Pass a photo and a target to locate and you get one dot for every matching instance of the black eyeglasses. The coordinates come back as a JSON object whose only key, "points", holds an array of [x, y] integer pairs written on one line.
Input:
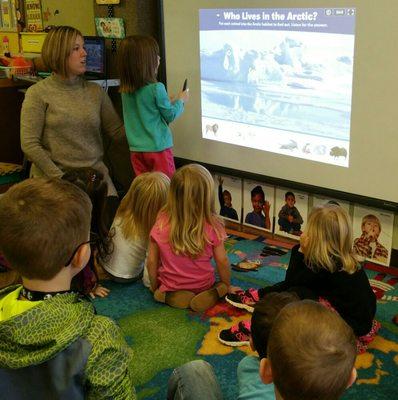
{"points": [[93, 240]]}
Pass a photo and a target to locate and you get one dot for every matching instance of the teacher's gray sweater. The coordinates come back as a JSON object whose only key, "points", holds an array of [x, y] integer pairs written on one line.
{"points": [[62, 123]]}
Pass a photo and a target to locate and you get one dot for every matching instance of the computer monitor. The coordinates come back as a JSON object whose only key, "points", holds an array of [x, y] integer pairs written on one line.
{"points": [[96, 57]]}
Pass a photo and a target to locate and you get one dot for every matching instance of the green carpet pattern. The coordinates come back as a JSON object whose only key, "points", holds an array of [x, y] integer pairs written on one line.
{"points": [[163, 338]]}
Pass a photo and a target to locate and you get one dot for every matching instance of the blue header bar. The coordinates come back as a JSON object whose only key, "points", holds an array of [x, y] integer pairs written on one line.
{"points": [[323, 20]]}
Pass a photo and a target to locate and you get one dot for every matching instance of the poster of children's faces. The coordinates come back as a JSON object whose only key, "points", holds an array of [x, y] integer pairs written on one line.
{"points": [[258, 204], [321, 201], [228, 196], [373, 234], [291, 212]]}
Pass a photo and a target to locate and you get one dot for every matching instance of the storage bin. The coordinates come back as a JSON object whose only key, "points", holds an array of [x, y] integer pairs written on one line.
{"points": [[9, 72]]}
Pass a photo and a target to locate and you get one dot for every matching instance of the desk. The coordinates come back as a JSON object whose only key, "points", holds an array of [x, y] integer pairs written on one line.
{"points": [[10, 110]]}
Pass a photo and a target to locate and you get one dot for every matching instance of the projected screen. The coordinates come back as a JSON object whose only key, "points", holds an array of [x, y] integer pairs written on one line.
{"points": [[279, 80], [288, 92]]}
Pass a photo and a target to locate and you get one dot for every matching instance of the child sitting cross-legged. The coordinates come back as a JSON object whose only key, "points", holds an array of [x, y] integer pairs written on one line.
{"points": [[264, 314], [133, 221], [324, 268], [308, 353], [52, 344], [311, 353], [186, 236], [92, 182]]}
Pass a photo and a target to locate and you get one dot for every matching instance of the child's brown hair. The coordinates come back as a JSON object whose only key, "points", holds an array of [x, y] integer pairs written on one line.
{"points": [[312, 352], [42, 222], [138, 62], [264, 315], [92, 182]]}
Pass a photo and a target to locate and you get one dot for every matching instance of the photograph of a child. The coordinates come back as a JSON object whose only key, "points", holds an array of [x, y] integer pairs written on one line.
{"points": [[292, 212], [373, 234], [110, 27], [289, 217], [229, 188], [225, 200], [320, 201], [367, 244], [257, 199]]}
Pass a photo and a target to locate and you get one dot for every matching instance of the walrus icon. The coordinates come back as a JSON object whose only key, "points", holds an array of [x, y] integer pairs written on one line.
{"points": [[338, 152]]}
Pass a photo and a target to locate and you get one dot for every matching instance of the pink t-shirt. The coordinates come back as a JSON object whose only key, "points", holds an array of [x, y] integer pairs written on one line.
{"points": [[180, 272]]}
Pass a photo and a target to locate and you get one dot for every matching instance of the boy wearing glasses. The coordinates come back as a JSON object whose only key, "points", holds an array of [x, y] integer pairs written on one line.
{"points": [[52, 345]]}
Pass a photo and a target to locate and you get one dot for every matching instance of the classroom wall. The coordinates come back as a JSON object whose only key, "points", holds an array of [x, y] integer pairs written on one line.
{"points": [[78, 13], [140, 17]]}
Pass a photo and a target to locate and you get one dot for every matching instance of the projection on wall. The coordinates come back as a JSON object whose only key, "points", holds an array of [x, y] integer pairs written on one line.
{"points": [[279, 80]]}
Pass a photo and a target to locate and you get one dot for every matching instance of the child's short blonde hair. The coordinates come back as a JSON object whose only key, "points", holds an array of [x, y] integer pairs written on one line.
{"points": [[190, 205], [329, 234], [312, 352], [138, 209], [42, 222], [57, 48]]}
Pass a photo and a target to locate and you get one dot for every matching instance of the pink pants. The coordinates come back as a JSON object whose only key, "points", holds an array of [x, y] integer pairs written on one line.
{"points": [[161, 161]]}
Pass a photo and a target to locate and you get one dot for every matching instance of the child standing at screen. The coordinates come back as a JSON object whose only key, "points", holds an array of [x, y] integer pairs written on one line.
{"points": [[186, 236], [324, 268], [147, 109]]}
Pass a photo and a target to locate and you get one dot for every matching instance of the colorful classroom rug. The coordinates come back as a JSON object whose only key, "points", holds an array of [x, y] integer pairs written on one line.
{"points": [[163, 338]]}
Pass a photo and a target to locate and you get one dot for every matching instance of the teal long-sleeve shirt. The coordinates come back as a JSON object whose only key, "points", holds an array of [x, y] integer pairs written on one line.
{"points": [[146, 114]]}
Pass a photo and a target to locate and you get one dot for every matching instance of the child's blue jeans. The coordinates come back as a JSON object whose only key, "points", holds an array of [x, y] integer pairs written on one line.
{"points": [[194, 381]]}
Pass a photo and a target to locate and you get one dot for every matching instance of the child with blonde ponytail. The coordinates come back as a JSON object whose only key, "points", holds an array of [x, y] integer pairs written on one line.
{"points": [[186, 236]]}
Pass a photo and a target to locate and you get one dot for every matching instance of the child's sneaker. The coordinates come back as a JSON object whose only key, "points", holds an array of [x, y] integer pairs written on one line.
{"points": [[245, 299], [238, 335]]}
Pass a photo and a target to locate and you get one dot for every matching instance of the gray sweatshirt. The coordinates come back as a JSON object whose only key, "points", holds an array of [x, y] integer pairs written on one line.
{"points": [[62, 123]]}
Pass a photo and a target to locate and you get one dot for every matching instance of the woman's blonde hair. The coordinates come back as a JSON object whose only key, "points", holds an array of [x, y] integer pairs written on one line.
{"points": [[189, 206], [329, 235], [57, 48], [138, 209], [138, 61]]}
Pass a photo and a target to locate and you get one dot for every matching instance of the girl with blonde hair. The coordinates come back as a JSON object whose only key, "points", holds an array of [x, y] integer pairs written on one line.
{"points": [[133, 221], [186, 236], [322, 268]]}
